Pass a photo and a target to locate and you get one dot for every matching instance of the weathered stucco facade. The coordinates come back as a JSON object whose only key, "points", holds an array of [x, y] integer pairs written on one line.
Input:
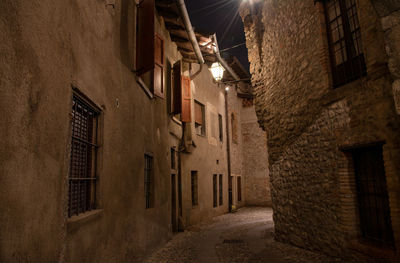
{"points": [[313, 128]]}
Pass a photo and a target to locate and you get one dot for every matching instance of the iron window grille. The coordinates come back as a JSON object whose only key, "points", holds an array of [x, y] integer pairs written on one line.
{"points": [[373, 199], [220, 125], [149, 181], [195, 200], [239, 188], [344, 35], [221, 201], [173, 159], [215, 202], [82, 172]]}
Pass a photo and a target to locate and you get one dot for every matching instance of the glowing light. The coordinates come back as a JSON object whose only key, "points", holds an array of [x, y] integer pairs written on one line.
{"points": [[217, 70]]}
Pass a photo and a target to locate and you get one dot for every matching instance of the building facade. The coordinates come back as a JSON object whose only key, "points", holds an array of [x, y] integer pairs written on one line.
{"points": [[325, 94], [112, 138]]}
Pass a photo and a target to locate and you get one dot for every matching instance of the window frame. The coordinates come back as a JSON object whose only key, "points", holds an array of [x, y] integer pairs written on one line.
{"points": [[149, 183], [215, 190], [353, 66], [202, 130], [90, 165], [221, 190], [194, 188]]}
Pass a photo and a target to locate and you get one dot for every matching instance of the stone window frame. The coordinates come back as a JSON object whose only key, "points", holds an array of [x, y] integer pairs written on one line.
{"points": [[349, 221]]}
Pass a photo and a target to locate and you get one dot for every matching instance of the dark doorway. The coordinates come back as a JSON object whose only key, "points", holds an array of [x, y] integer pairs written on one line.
{"points": [[230, 198], [373, 200], [174, 219]]}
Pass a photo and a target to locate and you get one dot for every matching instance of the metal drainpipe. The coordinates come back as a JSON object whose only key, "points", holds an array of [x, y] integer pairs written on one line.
{"points": [[228, 145], [189, 30], [222, 61]]}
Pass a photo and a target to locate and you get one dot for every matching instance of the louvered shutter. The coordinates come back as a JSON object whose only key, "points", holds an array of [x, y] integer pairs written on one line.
{"points": [[177, 89], [145, 36], [159, 66], [186, 100]]}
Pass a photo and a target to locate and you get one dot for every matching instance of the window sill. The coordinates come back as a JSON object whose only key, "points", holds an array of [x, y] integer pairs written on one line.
{"points": [[75, 222], [144, 87], [176, 120]]}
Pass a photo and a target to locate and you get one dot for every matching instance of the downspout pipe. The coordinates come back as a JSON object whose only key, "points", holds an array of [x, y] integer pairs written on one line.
{"points": [[189, 29], [222, 61]]}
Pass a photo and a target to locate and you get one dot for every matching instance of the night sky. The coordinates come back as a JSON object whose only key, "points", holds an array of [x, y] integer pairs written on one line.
{"points": [[222, 17]]}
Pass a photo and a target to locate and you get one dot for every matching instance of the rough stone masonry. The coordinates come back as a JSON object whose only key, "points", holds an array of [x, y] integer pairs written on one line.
{"points": [[310, 124]]}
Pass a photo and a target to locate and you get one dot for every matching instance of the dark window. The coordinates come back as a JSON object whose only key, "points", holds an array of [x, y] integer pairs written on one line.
{"points": [[239, 188], [373, 200], [145, 32], [195, 200], [199, 115], [149, 181], [345, 45], [82, 172], [215, 185], [173, 159], [221, 201], [176, 91], [220, 124], [158, 74]]}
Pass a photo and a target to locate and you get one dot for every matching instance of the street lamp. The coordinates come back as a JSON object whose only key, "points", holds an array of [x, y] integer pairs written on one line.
{"points": [[217, 70]]}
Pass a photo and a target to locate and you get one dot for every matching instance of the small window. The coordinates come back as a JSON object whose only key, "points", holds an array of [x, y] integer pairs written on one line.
{"points": [[221, 201], [173, 159], [239, 188], [149, 49], [195, 199], [234, 128], [82, 171], [149, 181], [200, 124], [373, 199], [220, 125], [215, 190], [344, 35], [176, 90]]}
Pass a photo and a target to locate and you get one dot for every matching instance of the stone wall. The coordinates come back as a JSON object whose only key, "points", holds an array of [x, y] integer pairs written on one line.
{"points": [[308, 122], [391, 27], [254, 158]]}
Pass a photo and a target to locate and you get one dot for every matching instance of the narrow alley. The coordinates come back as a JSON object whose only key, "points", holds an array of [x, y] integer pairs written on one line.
{"points": [[244, 236]]}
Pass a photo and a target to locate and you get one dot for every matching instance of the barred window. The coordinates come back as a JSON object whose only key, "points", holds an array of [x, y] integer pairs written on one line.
{"points": [[373, 199], [195, 198], [221, 200], [344, 34], [239, 188], [215, 202], [82, 172], [149, 181]]}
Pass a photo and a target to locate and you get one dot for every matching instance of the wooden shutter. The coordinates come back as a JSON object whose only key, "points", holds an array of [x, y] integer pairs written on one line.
{"points": [[145, 36], [177, 88], [186, 100], [198, 113], [159, 66]]}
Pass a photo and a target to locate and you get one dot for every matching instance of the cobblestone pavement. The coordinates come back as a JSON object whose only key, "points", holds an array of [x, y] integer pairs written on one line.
{"points": [[244, 236]]}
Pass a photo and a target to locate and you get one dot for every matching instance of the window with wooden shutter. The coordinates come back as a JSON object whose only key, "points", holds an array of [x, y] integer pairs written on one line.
{"points": [[186, 99], [344, 35], [145, 31], [199, 118], [176, 98], [159, 66]]}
